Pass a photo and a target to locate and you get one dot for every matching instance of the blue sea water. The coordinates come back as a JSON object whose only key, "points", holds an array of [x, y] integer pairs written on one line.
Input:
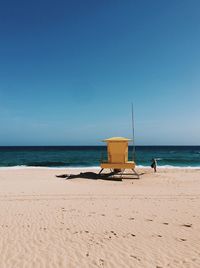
{"points": [[90, 156]]}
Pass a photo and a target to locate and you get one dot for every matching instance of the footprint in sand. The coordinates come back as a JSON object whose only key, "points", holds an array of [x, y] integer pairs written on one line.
{"points": [[187, 225], [181, 239], [156, 235], [101, 261], [135, 257], [124, 236]]}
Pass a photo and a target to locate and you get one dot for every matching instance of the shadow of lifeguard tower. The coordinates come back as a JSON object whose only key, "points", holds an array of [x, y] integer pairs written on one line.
{"points": [[117, 157]]}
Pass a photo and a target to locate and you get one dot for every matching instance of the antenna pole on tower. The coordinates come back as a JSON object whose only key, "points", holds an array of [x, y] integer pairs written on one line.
{"points": [[133, 133]]}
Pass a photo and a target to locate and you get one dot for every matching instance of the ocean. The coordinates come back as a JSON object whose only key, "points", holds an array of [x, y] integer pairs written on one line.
{"points": [[90, 156]]}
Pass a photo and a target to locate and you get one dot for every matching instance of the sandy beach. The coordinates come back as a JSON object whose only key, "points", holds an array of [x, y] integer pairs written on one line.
{"points": [[47, 221]]}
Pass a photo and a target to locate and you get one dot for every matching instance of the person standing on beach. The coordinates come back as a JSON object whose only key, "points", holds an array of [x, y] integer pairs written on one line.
{"points": [[154, 164]]}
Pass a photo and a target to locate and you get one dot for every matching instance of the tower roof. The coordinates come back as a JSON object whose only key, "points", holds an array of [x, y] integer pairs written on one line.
{"points": [[116, 139]]}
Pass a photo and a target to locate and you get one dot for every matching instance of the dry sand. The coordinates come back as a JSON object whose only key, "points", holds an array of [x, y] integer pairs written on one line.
{"points": [[52, 222]]}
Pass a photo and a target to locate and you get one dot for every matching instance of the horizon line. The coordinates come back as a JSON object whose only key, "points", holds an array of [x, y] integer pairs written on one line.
{"points": [[89, 145]]}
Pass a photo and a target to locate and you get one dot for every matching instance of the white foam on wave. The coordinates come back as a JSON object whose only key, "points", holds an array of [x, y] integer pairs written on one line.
{"points": [[41, 167], [171, 167], [93, 167], [23, 167]]}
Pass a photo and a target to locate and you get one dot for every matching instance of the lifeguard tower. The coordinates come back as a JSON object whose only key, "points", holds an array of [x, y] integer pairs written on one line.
{"points": [[117, 157]]}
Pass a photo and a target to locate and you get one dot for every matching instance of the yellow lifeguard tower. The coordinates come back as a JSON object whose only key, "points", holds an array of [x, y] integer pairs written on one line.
{"points": [[117, 155]]}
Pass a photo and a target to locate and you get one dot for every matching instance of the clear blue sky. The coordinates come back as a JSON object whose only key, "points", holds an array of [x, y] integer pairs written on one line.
{"points": [[69, 71]]}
